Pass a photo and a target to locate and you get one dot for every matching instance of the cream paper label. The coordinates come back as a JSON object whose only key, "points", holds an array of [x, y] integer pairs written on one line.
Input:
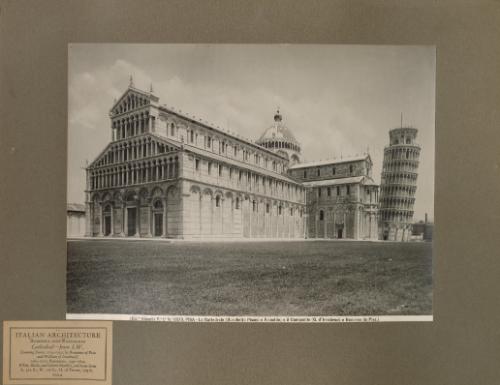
{"points": [[57, 352]]}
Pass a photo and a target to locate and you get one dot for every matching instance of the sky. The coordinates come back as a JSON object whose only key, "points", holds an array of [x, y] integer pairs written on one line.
{"points": [[338, 100]]}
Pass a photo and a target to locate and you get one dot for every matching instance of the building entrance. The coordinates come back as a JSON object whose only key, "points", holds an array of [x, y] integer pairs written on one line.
{"points": [[158, 224], [131, 221], [339, 233], [107, 225]]}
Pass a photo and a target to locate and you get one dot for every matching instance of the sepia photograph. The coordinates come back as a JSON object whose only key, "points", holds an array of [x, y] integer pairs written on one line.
{"points": [[272, 182]]}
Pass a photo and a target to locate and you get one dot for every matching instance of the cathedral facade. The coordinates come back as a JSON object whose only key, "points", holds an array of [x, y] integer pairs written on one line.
{"points": [[171, 175]]}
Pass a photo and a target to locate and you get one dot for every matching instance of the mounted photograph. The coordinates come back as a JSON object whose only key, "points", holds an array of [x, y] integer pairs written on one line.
{"points": [[250, 183]]}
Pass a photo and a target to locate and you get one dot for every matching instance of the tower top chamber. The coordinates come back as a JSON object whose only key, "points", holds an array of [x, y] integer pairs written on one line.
{"points": [[403, 135]]}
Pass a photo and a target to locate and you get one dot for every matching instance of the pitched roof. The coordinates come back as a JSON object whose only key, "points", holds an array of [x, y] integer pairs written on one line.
{"points": [[132, 89], [330, 161], [367, 181], [220, 131], [162, 107], [160, 138]]}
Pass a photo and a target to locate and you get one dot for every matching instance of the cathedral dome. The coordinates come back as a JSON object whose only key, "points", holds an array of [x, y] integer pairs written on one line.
{"points": [[280, 138], [278, 131]]}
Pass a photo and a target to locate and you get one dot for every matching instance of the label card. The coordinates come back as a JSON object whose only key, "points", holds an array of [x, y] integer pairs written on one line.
{"points": [[53, 352]]}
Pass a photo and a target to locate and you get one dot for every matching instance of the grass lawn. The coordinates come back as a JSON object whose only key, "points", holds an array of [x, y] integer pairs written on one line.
{"points": [[249, 278]]}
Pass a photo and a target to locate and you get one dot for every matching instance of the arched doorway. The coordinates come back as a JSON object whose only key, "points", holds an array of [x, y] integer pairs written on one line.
{"points": [[158, 218], [107, 220], [340, 232], [132, 215]]}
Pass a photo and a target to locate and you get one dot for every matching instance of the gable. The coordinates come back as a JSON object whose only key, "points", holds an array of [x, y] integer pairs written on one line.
{"points": [[131, 99], [110, 154]]}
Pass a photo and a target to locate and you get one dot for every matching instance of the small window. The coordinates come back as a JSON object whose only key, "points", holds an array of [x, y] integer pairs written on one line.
{"points": [[329, 191], [279, 210], [191, 136], [209, 141], [408, 141], [319, 191], [220, 169], [291, 211], [321, 215], [338, 190], [318, 172], [348, 189], [197, 164], [305, 174], [217, 201], [237, 204], [267, 208], [209, 167], [333, 171], [350, 168], [254, 206]]}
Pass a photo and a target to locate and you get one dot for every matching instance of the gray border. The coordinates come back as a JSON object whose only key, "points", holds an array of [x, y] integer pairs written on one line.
{"points": [[459, 347]]}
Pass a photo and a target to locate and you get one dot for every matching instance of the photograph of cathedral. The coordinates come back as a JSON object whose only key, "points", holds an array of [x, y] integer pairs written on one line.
{"points": [[316, 159], [165, 174]]}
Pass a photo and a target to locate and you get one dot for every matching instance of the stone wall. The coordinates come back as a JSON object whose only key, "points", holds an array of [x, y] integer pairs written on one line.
{"points": [[331, 171], [75, 224], [214, 212]]}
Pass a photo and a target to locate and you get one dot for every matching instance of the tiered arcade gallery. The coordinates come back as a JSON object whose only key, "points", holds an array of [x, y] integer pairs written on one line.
{"points": [[166, 174], [399, 184]]}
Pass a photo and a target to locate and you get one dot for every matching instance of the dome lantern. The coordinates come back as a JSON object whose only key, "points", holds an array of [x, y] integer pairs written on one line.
{"points": [[277, 116]]}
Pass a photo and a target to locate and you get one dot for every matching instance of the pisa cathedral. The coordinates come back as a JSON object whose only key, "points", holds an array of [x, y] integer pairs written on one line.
{"points": [[166, 174]]}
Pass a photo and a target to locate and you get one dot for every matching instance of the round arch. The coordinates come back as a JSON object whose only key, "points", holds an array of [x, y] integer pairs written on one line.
{"points": [[208, 191], [156, 192], [195, 189]]}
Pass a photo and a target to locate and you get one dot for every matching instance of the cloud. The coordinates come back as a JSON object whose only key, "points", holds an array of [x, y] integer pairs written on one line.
{"points": [[336, 100]]}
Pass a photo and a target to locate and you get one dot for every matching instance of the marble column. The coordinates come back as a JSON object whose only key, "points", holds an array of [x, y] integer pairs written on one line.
{"points": [[137, 220], [150, 221], [325, 223], [164, 229], [112, 232]]}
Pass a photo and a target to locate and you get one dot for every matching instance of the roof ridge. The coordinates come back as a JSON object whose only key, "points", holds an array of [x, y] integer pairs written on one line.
{"points": [[218, 129], [322, 162]]}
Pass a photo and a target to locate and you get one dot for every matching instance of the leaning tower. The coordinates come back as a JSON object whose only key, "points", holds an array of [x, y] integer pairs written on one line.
{"points": [[398, 184]]}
